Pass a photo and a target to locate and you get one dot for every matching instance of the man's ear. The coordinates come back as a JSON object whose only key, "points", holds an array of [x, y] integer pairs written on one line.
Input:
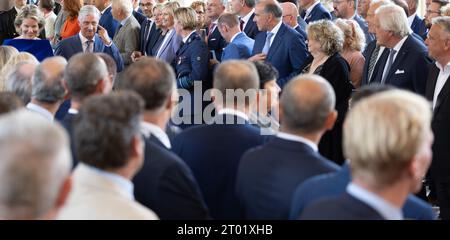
{"points": [[331, 119]]}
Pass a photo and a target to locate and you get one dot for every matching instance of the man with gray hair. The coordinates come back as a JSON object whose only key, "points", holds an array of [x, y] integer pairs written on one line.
{"points": [[437, 92], [268, 175], [47, 89], [88, 40], [127, 34], [86, 74], [219, 145], [216, 43], [404, 64], [18, 80], [388, 139], [416, 23], [34, 167]]}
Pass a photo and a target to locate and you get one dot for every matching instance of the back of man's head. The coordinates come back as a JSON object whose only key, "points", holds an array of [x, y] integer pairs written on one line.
{"points": [[35, 166], [83, 74], [18, 80], [9, 102], [106, 127], [47, 83], [383, 133], [229, 19], [306, 103], [234, 81], [153, 79]]}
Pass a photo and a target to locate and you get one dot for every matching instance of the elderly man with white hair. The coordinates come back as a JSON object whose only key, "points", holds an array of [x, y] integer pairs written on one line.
{"points": [[404, 61], [127, 35], [34, 167], [88, 40]]}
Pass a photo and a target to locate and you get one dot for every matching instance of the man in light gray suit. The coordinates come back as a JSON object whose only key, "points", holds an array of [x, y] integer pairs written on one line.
{"points": [[127, 35]]}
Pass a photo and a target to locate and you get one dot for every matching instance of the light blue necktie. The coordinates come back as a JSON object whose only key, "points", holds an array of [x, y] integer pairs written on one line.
{"points": [[266, 47]]}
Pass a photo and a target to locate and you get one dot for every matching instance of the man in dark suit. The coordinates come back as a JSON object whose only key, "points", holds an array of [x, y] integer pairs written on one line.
{"points": [[213, 151], [149, 33], [389, 152], [7, 28], [437, 91], [216, 43], [313, 10], [88, 40], [165, 183], [346, 9], [85, 75], [106, 20], [290, 14], [245, 9], [268, 174], [404, 63], [277, 43], [417, 23], [239, 46]]}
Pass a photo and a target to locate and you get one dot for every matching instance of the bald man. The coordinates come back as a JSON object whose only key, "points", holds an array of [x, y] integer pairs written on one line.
{"points": [[290, 14], [47, 91]]}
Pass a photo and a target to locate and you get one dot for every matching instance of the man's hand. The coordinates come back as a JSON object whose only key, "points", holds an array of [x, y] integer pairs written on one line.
{"points": [[103, 34], [258, 57], [135, 56]]}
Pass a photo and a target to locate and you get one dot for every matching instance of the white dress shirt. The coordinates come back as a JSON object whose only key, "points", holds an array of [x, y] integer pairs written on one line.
{"points": [[275, 31], [44, 112], [308, 10], [246, 18], [84, 43], [384, 208], [397, 48], [444, 73], [148, 129]]}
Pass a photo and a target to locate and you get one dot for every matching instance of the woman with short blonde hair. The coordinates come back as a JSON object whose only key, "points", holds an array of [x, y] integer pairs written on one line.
{"points": [[29, 22]]}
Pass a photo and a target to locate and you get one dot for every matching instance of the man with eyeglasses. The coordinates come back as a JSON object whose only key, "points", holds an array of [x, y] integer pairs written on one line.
{"points": [[87, 40], [289, 18], [434, 10], [346, 9]]}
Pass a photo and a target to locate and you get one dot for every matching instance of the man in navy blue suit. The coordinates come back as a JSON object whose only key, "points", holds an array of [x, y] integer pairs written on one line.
{"points": [[268, 174], [106, 20], [246, 12], [388, 139], [313, 10], [86, 74], [239, 45], [213, 151], [346, 9], [88, 40], [417, 23], [277, 43], [334, 184], [216, 43], [290, 14], [165, 183], [404, 62]]}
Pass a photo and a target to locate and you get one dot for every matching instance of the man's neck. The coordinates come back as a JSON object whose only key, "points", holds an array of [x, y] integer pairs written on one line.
{"points": [[309, 5], [156, 118], [75, 104], [51, 107], [394, 193], [244, 11], [313, 137], [444, 60], [272, 25], [391, 44], [232, 33], [350, 14]]}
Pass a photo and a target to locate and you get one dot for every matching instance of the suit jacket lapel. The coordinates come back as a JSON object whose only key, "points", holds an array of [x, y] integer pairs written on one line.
{"points": [[278, 39], [442, 95], [78, 47], [97, 44], [399, 58], [431, 82], [167, 43]]}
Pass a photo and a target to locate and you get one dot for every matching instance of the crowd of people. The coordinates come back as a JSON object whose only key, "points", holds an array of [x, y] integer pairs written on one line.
{"points": [[225, 109]]}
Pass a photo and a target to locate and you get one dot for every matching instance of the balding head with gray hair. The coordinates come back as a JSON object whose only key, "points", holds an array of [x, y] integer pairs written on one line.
{"points": [[83, 74], [18, 80], [35, 166], [124, 5], [306, 103], [47, 83]]}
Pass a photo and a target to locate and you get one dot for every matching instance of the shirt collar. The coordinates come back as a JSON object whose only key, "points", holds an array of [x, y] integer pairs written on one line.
{"points": [[187, 37], [235, 35], [36, 108], [296, 138], [125, 20], [83, 39], [122, 182], [233, 112], [18, 10], [384, 208], [246, 18], [445, 68], [308, 11], [149, 129], [73, 111], [104, 10], [411, 19], [399, 45], [275, 29]]}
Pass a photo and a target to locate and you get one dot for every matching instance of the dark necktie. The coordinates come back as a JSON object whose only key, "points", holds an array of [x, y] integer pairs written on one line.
{"points": [[388, 65], [211, 29], [379, 67], [372, 62], [241, 25], [88, 46], [303, 14]]}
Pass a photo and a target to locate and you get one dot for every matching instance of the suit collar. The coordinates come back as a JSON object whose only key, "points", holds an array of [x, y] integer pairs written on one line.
{"points": [[445, 91], [277, 40], [311, 9], [402, 48], [236, 36], [295, 138], [294, 146], [184, 46], [106, 10]]}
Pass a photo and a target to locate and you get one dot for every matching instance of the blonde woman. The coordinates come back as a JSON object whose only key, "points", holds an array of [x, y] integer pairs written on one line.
{"points": [[12, 62], [354, 43]]}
